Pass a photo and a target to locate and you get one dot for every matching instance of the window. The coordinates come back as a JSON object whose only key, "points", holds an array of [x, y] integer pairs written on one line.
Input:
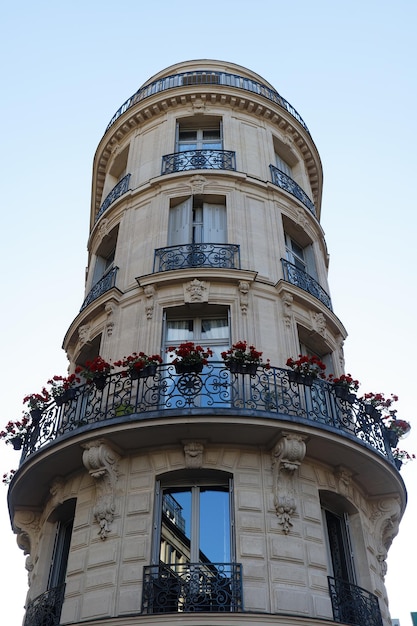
{"points": [[336, 522], [63, 533], [46, 608], [194, 522], [199, 134], [197, 219], [104, 262], [300, 256], [209, 329], [283, 165]]}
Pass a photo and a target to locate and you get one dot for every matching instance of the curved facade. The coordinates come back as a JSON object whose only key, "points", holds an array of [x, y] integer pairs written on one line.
{"points": [[251, 497]]}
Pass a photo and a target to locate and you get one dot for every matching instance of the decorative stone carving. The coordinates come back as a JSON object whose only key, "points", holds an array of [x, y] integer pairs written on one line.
{"points": [[196, 291], [84, 334], [198, 106], [287, 300], [340, 344], [149, 292], [286, 459], [193, 451], [344, 478], [386, 517], [101, 461], [103, 228], [318, 322], [57, 492], [197, 184], [26, 525], [301, 219], [244, 297], [110, 309]]}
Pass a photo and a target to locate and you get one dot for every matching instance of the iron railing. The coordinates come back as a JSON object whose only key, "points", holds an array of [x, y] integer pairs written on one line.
{"points": [[221, 255], [268, 393], [192, 587], [104, 284], [207, 77], [296, 276], [353, 605], [198, 160], [121, 188], [286, 183], [45, 610]]}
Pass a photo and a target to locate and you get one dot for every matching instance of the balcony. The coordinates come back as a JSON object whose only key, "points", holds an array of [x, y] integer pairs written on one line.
{"points": [[121, 188], [198, 160], [296, 276], [288, 184], [268, 394], [353, 605], [207, 77], [104, 284], [45, 610], [226, 256], [192, 587]]}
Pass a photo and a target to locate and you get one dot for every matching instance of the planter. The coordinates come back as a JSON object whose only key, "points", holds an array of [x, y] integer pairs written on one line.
{"points": [[372, 411], [392, 438], [148, 370], [66, 396], [398, 463], [100, 382], [343, 393], [188, 368], [237, 367], [300, 379], [16, 443], [36, 415]]}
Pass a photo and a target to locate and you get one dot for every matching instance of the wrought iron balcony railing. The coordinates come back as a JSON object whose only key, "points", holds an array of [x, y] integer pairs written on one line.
{"points": [[192, 587], [296, 276], [121, 188], [45, 610], [268, 393], [353, 605], [207, 77], [104, 284], [198, 160], [288, 184], [223, 255]]}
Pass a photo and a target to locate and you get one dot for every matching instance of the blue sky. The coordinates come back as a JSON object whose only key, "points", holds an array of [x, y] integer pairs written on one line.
{"points": [[349, 70]]}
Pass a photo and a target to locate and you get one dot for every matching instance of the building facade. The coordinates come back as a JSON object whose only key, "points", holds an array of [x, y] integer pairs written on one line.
{"points": [[225, 495]]}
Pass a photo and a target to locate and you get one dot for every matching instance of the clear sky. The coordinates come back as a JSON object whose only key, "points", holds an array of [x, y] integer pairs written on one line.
{"points": [[348, 67]]}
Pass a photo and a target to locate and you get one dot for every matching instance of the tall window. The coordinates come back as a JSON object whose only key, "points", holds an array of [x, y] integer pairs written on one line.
{"points": [[194, 519], [104, 261], [282, 165], [209, 329], [302, 256], [336, 520], [197, 220]]}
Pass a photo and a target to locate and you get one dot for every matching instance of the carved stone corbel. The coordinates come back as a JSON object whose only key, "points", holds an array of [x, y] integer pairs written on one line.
{"points": [[27, 526], [110, 310], [287, 300], [318, 322], [101, 462], [197, 184], [286, 459], [386, 517], [244, 297], [149, 292]]}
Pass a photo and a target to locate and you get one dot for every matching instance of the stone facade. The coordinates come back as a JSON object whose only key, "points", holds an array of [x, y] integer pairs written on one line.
{"points": [[103, 480]]}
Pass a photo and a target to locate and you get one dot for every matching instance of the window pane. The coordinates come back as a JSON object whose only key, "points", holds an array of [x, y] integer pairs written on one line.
{"points": [[214, 525], [176, 527], [179, 330], [215, 328]]}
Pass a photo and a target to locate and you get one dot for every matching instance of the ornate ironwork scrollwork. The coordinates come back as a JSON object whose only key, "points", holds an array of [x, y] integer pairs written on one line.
{"points": [[198, 160], [288, 184], [197, 255]]}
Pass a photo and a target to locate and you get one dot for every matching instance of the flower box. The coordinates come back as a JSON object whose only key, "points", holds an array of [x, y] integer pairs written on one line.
{"points": [[188, 368], [300, 379], [242, 368], [148, 370]]}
